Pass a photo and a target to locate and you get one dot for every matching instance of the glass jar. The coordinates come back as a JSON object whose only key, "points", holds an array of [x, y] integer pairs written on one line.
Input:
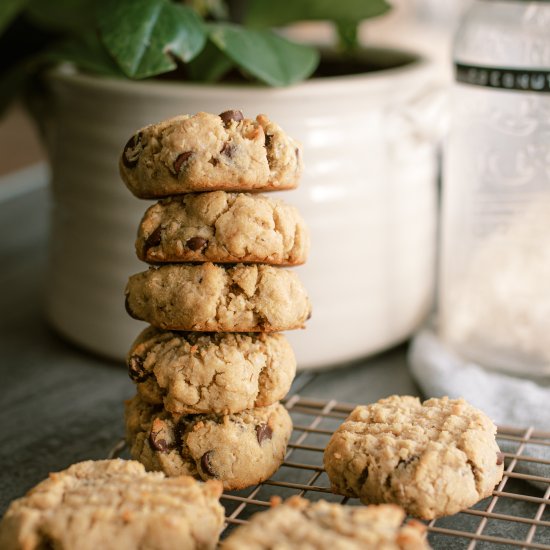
{"points": [[494, 295]]}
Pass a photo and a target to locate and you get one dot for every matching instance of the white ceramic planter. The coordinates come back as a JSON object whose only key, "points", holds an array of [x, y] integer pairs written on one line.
{"points": [[368, 195]]}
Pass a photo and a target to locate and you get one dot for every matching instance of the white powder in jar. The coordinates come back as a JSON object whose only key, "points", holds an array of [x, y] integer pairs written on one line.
{"points": [[498, 312]]}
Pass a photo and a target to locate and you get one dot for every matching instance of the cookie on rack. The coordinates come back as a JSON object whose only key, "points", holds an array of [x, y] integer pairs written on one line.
{"points": [[208, 152], [197, 372], [114, 505], [210, 297], [239, 449], [223, 227], [301, 525], [433, 458]]}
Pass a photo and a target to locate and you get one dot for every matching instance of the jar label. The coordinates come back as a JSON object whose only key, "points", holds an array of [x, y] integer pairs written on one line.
{"points": [[527, 80]]}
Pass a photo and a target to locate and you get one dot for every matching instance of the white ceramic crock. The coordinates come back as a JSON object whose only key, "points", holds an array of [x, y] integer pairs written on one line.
{"points": [[368, 195]]}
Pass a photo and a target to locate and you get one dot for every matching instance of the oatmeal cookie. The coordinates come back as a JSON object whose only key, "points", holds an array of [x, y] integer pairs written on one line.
{"points": [[209, 297], [208, 152], [239, 449], [197, 372], [299, 524], [222, 227], [433, 458], [114, 505]]}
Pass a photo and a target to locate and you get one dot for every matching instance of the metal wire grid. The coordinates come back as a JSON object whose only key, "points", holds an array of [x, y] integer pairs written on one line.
{"points": [[515, 516]]}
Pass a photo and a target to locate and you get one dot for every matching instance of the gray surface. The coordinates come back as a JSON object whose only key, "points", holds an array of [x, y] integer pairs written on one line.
{"points": [[59, 405]]}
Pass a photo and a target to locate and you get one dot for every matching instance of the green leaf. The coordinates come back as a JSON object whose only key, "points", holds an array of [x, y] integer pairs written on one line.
{"points": [[62, 15], [87, 53], [210, 65], [9, 9], [267, 13], [264, 54], [142, 35]]}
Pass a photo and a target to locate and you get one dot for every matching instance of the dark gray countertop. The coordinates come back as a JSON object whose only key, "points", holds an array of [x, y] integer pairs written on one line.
{"points": [[60, 405]]}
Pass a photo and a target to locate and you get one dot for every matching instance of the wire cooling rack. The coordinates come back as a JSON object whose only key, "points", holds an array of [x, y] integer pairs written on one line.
{"points": [[517, 515]]}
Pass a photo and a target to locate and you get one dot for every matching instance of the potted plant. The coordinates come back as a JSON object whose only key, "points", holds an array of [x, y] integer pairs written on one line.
{"points": [[368, 191]]}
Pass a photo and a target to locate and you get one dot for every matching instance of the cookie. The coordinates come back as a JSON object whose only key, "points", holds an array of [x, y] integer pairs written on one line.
{"points": [[303, 525], [207, 152], [209, 297], [114, 505], [222, 227], [197, 372], [239, 449], [433, 458]]}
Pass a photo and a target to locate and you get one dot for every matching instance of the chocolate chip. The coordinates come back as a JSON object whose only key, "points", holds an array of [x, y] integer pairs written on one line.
{"points": [[268, 140], [132, 150], [263, 433], [206, 464], [182, 158], [153, 239], [159, 443], [500, 458], [364, 476], [196, 243], [136, 370], [228, 149], [228, 116], [404, 463], [308, 316], [179, 429]]}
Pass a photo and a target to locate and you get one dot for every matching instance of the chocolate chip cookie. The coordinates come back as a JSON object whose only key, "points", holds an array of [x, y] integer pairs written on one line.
{"points": [[239, 449], [197, 372], [222, 227], [114, 505], [209, 297], [433, 458], [302, 525], [207, 152]]}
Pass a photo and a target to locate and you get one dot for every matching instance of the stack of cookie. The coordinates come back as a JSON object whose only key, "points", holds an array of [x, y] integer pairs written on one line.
{"points": [[211, 368]]}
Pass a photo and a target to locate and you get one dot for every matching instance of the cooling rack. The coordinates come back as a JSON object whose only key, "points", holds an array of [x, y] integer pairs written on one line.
{"points": [[514, 516], [517, 515]]}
